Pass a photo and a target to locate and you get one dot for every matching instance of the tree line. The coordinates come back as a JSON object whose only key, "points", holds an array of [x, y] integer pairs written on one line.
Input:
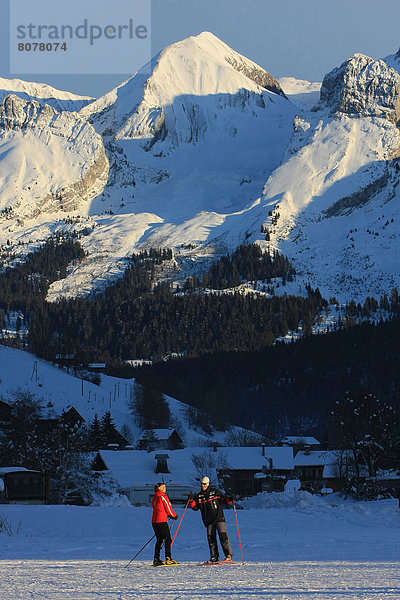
{"points": [[25, 284], [287, 388], [247, 263], [137, 318]]}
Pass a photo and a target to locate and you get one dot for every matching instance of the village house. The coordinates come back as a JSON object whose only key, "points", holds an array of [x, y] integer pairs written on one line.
{"points": [[243, 471], [19, 485], [160, 439], [300, 442], [250, 470], [320, 471], [136, 473]]}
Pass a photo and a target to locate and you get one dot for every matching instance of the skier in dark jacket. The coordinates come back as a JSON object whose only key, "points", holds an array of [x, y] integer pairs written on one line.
{"points": [[210, 502]]}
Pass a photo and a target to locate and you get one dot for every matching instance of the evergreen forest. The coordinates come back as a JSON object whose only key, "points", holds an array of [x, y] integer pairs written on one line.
{"points": [[222, 347]]}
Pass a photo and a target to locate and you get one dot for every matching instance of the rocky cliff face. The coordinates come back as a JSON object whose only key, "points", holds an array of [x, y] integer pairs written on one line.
{"points": [[256, 74], [49, 161], [362, 86]]}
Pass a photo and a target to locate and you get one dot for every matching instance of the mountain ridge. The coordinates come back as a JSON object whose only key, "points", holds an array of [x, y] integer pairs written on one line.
{"points": [[202, 150]]}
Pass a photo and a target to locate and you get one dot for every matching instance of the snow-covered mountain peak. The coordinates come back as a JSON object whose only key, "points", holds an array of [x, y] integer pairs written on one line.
{"points": [[43, 93], [189, 83], [204, 153], [362, 86], [212, 55]]}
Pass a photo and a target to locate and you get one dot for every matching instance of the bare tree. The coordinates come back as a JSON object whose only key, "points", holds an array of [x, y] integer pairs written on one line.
{"points": [[208, 462], [365, 425]]}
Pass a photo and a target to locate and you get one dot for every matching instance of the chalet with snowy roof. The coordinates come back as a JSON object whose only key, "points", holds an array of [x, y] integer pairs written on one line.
{"points": [[160, 439], [320, 471], [243, 471], [250, 470], [70, 419], [299, 442], [136, 472], [19, 485]]}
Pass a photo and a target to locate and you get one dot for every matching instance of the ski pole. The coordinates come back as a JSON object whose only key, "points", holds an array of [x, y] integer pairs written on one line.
{"points": [[237, 526], [143, 547], [177, 529]]}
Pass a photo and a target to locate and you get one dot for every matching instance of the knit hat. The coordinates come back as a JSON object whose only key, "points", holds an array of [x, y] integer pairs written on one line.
{"points": [[205, 480]]}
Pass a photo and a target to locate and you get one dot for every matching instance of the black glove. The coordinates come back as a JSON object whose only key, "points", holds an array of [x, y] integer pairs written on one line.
{"points": [[175, 517], [190, 496]]}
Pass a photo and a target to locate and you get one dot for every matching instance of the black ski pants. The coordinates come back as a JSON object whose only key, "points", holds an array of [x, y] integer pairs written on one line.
{"points": [[163, 534], [212, 529]]}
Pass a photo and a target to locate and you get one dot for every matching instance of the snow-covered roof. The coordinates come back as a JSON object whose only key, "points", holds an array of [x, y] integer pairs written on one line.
{"points": [[307, 458], [4, 470], [300, 439], [159, 434], [252, 457], [136, 467]]}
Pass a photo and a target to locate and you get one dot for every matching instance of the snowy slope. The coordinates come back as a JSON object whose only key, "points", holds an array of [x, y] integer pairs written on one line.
{"points": [[189, 147], [198, 135], [195, 67], [59, 390], [302, 93], [333, 200], [335, 235]]}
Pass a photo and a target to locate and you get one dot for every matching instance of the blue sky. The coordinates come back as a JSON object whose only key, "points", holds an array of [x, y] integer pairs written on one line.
{"points": [[298, 38]]}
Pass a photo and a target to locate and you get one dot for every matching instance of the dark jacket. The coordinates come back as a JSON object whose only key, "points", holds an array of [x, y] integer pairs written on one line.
{"points": [[210, 504]]}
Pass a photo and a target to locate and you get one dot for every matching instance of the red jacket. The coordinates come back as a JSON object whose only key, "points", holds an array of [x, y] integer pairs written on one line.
{"points": [[162, 508]]}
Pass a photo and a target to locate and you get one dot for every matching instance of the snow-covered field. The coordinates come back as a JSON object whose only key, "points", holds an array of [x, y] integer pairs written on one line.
{"points": [[295, 546], [108, 580]]}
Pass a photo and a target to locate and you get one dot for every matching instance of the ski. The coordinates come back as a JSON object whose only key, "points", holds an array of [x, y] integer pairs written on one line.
{"points": [[190, 564], [156, 566], [220, 562]]}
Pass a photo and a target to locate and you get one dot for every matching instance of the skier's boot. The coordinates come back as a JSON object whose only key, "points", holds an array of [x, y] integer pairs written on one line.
{"points": [[211, 561], [227, 558], [171, 561], [157, 562]]}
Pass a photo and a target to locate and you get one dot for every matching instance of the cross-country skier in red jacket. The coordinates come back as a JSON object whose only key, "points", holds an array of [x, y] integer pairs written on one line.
{"points": [[162, 511]]}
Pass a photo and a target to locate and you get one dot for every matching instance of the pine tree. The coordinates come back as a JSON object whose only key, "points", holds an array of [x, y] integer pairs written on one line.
{"points": [[95, 434], [108, 431]]}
